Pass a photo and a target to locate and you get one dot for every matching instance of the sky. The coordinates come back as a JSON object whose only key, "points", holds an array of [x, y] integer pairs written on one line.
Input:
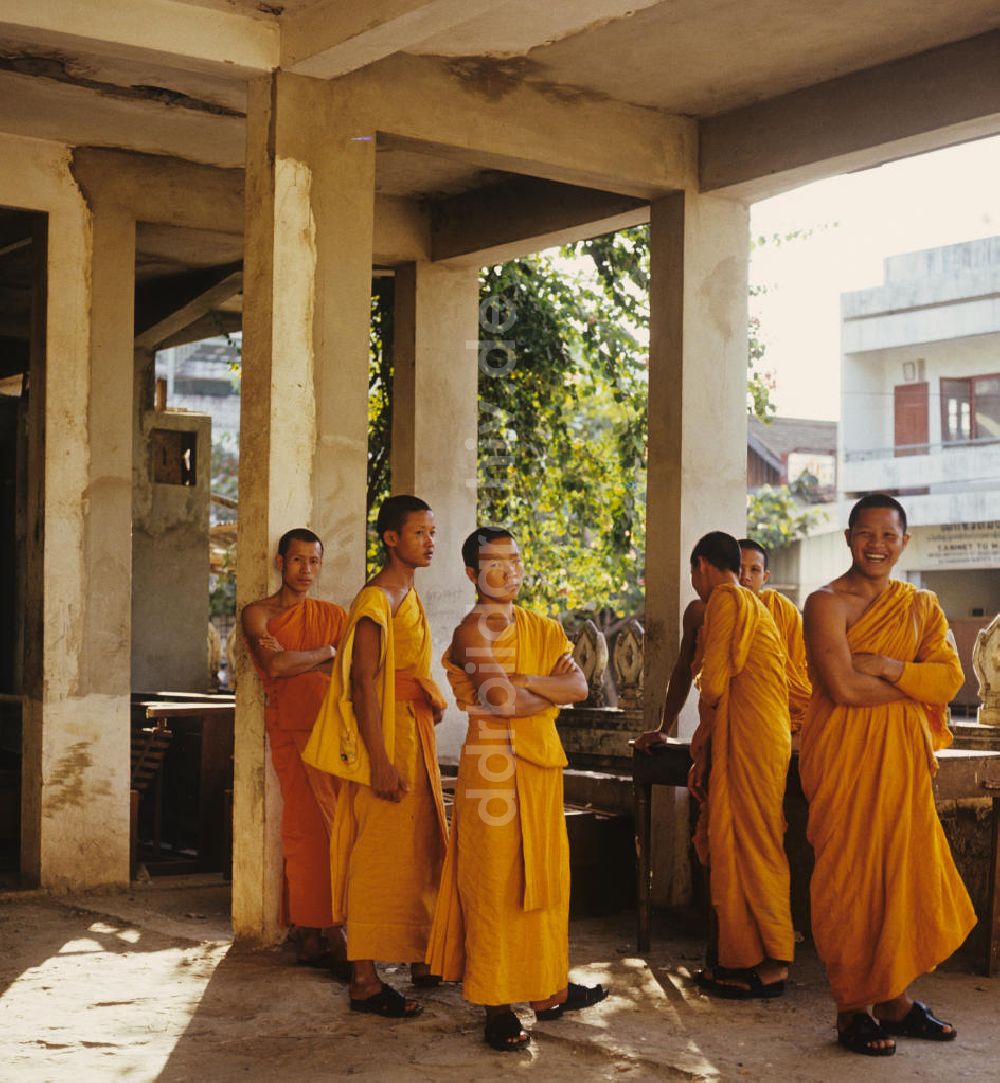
{"points": [[856, 221]]}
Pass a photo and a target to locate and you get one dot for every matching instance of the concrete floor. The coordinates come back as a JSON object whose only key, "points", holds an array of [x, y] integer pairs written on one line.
{"points": [[148, 986]]}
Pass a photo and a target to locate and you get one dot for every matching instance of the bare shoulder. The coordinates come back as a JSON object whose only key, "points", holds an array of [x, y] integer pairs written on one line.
{"points": [[476, 631], [255, 615], [694, 615], [826, 605], [468, 633]]}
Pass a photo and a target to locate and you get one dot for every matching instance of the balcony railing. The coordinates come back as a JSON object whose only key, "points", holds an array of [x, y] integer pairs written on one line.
{"points": [[904, 450]]}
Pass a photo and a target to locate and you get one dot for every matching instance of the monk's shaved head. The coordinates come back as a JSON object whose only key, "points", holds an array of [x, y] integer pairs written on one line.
{"points": [[877, 500], [300, 533], [749, 543], [393, 512], [481, 539], [720, 550]]}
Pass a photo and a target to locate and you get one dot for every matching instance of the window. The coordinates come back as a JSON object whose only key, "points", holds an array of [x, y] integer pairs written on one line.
{"points": [[970, 408], [173, 454]]}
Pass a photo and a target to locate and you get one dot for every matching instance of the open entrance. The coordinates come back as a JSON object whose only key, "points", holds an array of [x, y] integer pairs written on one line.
{"points": [[22, 349], [188, 305]]}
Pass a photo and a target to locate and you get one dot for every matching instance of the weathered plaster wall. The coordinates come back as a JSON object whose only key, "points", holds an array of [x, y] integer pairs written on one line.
{"points": [[170, 564], [76, 749]]}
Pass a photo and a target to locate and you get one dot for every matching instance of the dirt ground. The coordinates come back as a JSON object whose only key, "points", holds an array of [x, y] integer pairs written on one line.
{"points": [[148, 986]]}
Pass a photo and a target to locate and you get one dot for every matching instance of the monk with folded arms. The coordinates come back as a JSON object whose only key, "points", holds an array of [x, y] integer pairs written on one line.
{"points": [[293, 639], [376, 731], [887, 901], [502, 919], [741, 751], [754, 574]]}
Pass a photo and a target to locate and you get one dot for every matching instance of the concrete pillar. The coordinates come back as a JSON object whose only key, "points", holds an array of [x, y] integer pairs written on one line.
{"points": [[310, 192], [76, 765], [434, 437], [697, 438]]}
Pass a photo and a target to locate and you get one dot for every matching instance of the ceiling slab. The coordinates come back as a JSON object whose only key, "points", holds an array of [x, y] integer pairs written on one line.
{"points": [[702, 57]]}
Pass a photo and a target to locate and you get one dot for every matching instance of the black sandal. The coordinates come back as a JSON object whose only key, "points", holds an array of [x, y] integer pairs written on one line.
{"points": [[860, 1032], [340, 969], [577, 997], [501, 1028], [755, 988], [920, 1022], [425, 981], [388, 1003]]}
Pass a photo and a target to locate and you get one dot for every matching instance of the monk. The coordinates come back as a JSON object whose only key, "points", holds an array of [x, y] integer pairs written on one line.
{"points": [[754, 575], [887, 901], [502, 919], [375, 730], [293, 639], [741, 751]]}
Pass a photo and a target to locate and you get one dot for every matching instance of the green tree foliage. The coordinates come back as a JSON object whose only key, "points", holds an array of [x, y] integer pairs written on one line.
{"points": [[562, 415], [562, 435], [775, 518], [379, 409]]}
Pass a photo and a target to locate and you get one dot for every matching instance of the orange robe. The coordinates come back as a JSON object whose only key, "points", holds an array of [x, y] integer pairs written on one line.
{"points": [[385, 857], [887, 901], [502, 919], [309, 797], [789, 622], [740, 664]]}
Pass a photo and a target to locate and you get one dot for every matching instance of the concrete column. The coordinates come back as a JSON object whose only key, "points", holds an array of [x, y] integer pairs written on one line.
{"points": [[310, 191], [434, 437], [697, 438], [76, 766]]}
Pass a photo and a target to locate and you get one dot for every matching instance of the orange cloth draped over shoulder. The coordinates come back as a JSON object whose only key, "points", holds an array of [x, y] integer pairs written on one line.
{"points": [[740, 665], [887, 901], [789, 623], [502, 919], [309, 797], [385, 857]]}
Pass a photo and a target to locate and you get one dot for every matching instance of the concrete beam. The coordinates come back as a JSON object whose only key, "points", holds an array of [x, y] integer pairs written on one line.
{"points": [[176, 317], [159, 189], [447, 109], [937, 98], [187, 35], [525, 215], [330, 38]]}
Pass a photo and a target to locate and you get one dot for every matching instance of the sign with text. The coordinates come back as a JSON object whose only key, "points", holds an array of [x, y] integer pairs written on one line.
{"points": [[957, 545]]}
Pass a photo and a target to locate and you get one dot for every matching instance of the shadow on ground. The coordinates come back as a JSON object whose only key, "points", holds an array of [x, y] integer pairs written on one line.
{"points": [[148, 986]]}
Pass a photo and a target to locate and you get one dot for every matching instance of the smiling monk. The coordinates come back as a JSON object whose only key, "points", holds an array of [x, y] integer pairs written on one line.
{"points": [[887, 901], [376, 730]]}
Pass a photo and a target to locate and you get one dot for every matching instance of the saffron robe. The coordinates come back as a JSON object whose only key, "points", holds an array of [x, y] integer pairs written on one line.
{"points": [[740, 664], [385, 857], [789, 623], [309, 797], [887, 901], [502, 919]]}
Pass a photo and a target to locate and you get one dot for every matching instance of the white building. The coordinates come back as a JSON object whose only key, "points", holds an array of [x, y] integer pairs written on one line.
{"points": [[920, 385]]}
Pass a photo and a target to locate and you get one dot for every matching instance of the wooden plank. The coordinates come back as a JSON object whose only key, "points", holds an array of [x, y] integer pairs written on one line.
{"points": [[189, 710]]}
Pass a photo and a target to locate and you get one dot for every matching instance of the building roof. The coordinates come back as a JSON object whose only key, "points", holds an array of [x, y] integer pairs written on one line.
{"points": [[775, 440]]}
